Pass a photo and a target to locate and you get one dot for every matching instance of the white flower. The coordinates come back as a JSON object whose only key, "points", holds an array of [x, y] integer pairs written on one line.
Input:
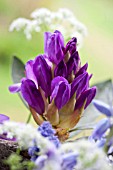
{"points": [[41, 13], [19, 24], [45, 20], [25, 135]]}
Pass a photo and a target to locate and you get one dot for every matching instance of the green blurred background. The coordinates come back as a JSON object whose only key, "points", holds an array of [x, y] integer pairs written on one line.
{"points": [[97, 49]]}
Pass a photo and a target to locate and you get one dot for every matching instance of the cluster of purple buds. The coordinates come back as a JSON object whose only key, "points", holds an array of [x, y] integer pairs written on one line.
{"points": [[56, 86]]}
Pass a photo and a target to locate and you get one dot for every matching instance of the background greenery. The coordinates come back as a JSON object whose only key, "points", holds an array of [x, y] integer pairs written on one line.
{"points": [[97, 49]]}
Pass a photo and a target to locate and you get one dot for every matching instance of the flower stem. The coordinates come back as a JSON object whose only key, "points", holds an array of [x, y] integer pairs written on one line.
{"points": [[29, 118]]}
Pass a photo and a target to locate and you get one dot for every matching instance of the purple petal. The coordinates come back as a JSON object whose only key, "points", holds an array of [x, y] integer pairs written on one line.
{"points": [[71, 45], [87, 96], [102, 107], [43, 74], [100, 129], [61, 70], [73, 63], [15, 88], [56, 81], [3, 118], [33, 96], [63, 95], [79, 84], [54, 44], [69, 160], [29, 72], [82, 70], [60, 91]]}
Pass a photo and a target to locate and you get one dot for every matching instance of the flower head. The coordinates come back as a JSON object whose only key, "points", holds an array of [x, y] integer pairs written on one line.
{"points": [[57, 92]]}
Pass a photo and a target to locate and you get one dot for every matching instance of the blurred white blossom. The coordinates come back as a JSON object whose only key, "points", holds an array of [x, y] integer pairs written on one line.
{"points": [[43, 19], [84, 153], [91, 157], [24, 134]]}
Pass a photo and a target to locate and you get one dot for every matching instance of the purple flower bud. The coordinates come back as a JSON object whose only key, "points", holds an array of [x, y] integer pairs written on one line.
{"points": [[102, 107], [60, 91], [80, 84], [33, 96], [61, 70], [43, 74], [73, 63], [15, 88], [54, 45], [100, 129], [71, 45], [85, 98]]}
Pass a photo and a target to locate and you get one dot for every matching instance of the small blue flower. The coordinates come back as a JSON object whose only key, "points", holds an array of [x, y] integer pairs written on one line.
{"points": [[46, 130], [33, 152], [101, 128], [103, 108], [69, 161]]}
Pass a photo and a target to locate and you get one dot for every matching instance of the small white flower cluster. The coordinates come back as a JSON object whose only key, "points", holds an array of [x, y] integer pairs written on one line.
{"points": [[45, 20], [25, 134], [90, 156]]}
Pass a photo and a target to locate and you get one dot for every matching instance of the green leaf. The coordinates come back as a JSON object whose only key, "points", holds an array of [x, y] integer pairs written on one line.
{"points": [[91, 115], [18, 69], [18, 72]]}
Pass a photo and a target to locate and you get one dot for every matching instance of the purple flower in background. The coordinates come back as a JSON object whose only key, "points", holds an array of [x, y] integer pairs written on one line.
{"points": [[69, 161], [56, 86], [100, 129], [3, 118], [53, 159], [99, 132]]}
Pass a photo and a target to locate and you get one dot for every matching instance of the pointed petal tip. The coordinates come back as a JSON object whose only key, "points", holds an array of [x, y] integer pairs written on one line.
{"points": [[15, 88]]}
